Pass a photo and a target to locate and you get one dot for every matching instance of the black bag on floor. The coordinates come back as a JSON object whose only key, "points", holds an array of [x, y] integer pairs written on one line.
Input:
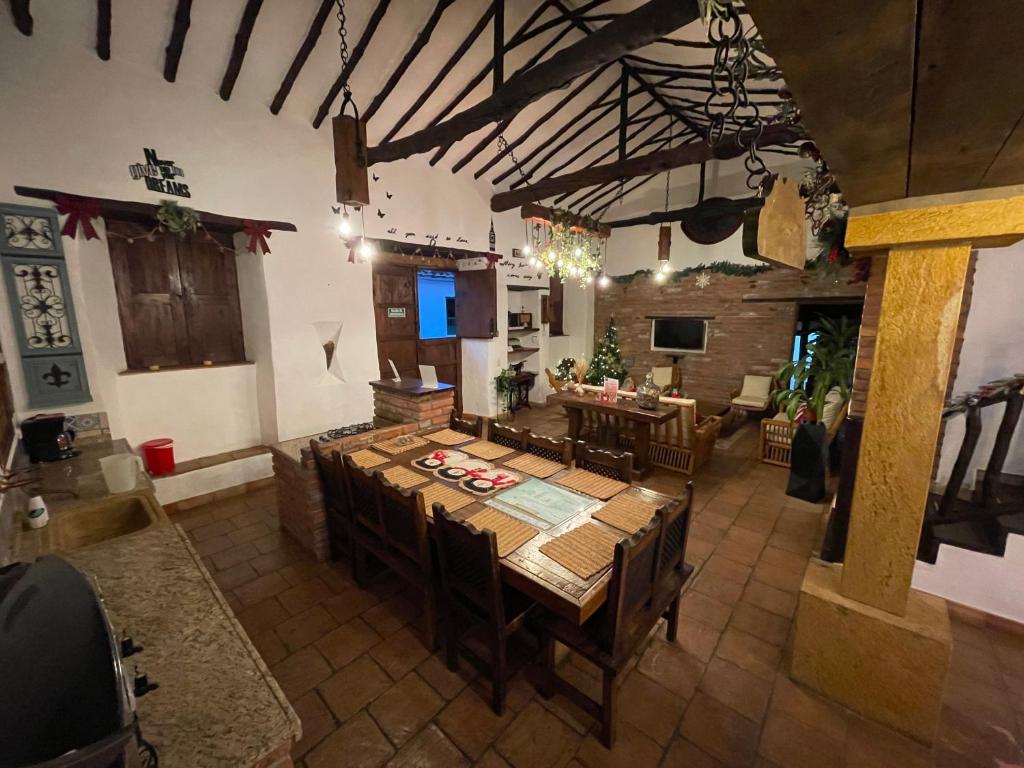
{"points": [[808, 459]]}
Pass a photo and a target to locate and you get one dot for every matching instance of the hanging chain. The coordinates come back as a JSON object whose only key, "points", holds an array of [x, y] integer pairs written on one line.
{"points": [[343, 47], [505, 148], [728, 101]]}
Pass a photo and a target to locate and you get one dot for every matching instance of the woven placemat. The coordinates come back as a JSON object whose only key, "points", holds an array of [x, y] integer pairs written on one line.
{"points": [[452, 499], [367, 459], [592, 484], [627, 513], [400, 444], [448, 437], [584, 550], [534, 465], [511, 533], [403, 477], [483, 449]]}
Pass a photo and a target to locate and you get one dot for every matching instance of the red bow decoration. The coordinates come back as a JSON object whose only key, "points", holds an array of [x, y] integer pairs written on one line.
{"points": [[258, 233], [79, 210], [492, 259]]}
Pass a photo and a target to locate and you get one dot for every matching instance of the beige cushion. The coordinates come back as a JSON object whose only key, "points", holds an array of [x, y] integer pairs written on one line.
{"points": [[756, 387], [751, 402], [833, 404], [662, 375]]}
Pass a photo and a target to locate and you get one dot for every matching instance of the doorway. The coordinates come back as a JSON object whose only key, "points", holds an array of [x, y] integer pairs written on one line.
{"points": [[808, 323]]}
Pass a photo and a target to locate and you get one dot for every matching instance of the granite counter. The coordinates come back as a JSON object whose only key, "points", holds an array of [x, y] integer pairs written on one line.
{"points": [[217, 704]]}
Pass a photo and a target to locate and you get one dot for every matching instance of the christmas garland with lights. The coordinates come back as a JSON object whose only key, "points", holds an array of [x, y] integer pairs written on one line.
{"points": [[727, 268]]}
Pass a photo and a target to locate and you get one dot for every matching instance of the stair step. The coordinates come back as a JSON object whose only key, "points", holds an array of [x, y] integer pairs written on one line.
{"points": [[976, 536]]}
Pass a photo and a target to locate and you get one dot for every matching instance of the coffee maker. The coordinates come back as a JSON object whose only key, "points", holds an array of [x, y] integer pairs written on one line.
{"points": [[45, 438]]}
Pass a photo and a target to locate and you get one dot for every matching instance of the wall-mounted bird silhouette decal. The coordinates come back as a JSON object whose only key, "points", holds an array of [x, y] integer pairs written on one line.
{"points": [[380, 214]]}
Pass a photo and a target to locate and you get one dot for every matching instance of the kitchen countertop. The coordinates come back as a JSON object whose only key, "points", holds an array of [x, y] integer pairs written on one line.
{"points": [[217, 704]]}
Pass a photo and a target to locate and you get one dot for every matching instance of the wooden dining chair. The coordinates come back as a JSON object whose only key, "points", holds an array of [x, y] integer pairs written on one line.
{"points": [[331, 471], [617, 465], [510, 437], [407, 547], [474, 600], [672, 568], [610, 637], [367, 529], [474, 428], [551, 448]]}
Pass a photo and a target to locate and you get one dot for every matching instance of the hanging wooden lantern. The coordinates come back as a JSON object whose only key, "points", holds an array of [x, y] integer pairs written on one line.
{"points": [[350, 163], [777, 232], [664, 242]]}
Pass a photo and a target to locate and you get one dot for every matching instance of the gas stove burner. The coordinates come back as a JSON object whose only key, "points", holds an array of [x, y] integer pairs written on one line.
{"points": [[349, 431]]}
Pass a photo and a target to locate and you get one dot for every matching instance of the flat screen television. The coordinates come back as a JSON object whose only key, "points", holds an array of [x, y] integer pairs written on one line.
{"points": [[678, 335]]}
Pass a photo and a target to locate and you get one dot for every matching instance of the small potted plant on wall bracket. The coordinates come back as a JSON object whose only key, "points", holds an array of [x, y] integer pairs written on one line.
{"points": [[814, 388]]}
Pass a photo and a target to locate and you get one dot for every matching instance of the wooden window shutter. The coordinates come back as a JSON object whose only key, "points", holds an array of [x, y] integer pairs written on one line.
{"points": [[476, 303], [209, 283], [149, 297]]}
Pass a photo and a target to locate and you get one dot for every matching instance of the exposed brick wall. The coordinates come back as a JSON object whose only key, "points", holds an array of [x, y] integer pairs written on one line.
{"points": [[752, 336], [868, 335], [425, 410]]}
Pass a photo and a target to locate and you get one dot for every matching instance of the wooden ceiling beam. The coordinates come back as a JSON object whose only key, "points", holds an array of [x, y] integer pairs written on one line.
{"points": [[657, 162], [629, 32], [353, 60], [179, 29], [240, 46], [500, 128], [498, 67], [22, 13], [410, 56], [103, 24], [708, 208], [316, 28], [602, 191], [442, 73]]}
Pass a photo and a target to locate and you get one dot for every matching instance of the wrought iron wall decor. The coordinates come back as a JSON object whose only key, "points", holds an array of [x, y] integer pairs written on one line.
{"points": [[39, 297]]}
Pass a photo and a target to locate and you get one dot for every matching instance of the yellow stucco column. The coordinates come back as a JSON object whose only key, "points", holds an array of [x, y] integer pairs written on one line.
{"points": [[863, 636]]}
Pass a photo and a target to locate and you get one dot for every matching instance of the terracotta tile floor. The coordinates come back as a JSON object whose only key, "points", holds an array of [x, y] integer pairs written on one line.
{"points": [[369, 694]]}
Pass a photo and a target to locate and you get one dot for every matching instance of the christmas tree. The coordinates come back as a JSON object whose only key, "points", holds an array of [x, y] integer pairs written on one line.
{"points": [[607, 362]]}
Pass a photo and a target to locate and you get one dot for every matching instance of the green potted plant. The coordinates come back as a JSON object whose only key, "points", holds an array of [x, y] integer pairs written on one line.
{"points": [[827, 365], [503, 389]]}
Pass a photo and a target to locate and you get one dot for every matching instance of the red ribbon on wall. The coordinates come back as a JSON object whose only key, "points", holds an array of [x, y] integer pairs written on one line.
{"points": [[492, 259], [79, 210], [258, 233]]}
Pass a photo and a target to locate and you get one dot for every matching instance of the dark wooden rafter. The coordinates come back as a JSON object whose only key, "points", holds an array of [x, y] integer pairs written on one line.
{"points": [[558, 134], [22, 14], [353, 59], [710, 207], [500, 128], [600, 192], [240, 46], [179, 29], [410, 56], [568, 139], [477, 80], [442, 73], [623, 111], [103, 24], [316, 28], [629, 32], [498, 66], [657, 162]]}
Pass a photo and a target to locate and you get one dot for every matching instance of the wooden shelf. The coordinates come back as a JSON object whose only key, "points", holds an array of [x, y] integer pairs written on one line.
{"points": [[524, 350], [521, 288], [524, 330]]}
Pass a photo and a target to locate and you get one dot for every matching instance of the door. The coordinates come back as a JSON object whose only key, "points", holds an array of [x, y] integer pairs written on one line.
{"points": [[209, 282], [149, 297], [476, 303], [394, 308]]}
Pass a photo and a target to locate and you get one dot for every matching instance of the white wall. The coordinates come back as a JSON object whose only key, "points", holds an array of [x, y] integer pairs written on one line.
{"points": [[993, 348], [75, 123]]}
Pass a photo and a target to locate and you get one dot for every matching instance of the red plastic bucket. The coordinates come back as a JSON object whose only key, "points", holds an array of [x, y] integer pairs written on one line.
{"points": [[159, 456]]}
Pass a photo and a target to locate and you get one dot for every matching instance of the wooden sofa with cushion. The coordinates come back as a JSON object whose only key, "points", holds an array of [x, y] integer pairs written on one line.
{"points": [[776, 441], [681, 444]]}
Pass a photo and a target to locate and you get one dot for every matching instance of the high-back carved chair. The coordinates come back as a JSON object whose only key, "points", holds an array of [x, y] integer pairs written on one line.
{"points": [[510, 437], [617, 465], [474, 599], [608, 638], [551, 448], [367, 528], [474, 428], [407, 547], [331, 471]]}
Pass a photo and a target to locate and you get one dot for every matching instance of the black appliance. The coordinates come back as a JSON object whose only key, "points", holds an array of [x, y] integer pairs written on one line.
{"points": [[46, 439], [65, 699]]}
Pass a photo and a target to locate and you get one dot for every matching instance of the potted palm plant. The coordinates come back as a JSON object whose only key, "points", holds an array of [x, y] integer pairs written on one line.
{"points": [[827, 365]]}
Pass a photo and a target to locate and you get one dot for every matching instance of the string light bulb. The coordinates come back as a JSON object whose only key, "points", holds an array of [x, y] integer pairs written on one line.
{"points": [[660, 277], [344, 226], [527, 250], [366, 250], [604, 281]]}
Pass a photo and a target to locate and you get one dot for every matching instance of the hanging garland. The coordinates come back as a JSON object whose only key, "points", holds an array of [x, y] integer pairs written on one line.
{"points": [[180, 220], [727, 268]]}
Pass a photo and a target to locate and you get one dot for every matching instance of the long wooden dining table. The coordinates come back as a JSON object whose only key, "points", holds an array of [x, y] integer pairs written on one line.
{"points": [[527, 568]]}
